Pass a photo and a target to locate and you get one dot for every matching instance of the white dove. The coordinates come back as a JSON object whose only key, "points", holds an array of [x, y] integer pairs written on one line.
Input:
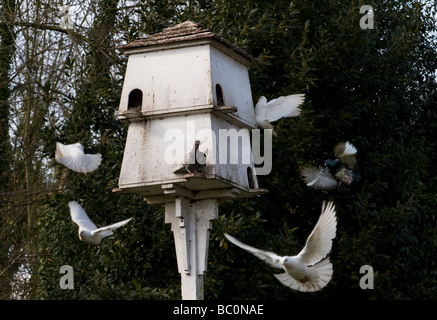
{"points": [[88, 232], [73, 157], [282, 107], [306, 271]]}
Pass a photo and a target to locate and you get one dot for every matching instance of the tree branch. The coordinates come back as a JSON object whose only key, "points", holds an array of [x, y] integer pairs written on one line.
{"points": [[74, 35]]}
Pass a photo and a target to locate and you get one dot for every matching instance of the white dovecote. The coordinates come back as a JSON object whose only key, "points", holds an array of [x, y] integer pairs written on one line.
{"points": [[182, 85]]}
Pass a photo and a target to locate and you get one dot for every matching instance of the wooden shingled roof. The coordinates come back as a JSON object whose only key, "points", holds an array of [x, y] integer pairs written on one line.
{"points": [[185, 31]]}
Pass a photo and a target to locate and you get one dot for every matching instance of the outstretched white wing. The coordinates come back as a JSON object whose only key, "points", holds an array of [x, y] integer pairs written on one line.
{"points": [[80, 217], [319, 242], [73, 157], [269, 257], [346, 151], [107, 231], [284, 107], [318, 178]]}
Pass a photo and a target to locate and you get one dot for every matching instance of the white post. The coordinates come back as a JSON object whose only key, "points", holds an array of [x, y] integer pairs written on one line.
{"points": [[190, 223]]}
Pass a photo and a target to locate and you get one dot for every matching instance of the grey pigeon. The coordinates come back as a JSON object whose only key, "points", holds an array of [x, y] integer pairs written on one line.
{"points": [[196, 161], [341, 173]]}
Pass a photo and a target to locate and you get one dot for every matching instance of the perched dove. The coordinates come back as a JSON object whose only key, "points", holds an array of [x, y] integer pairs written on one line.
{"points": [[282, 107], [309, 270], [73, 157], [88, 232], [196, 161], [341, 173]]}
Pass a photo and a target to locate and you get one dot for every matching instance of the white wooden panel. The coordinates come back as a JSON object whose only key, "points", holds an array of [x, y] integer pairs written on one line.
{"points": [[169, 79], [233, 77]]}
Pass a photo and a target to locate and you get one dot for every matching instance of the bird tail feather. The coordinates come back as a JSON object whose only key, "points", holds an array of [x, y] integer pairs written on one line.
{"points": [[322, 275], [324, 271]]}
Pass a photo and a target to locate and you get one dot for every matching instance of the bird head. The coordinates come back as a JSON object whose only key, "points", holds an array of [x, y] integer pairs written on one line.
{"points": [[262, 101], [331, 163], [283, 261], [85, 235]]}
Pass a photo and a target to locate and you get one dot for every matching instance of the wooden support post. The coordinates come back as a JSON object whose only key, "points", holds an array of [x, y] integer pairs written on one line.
{"points": [[190, 223]]}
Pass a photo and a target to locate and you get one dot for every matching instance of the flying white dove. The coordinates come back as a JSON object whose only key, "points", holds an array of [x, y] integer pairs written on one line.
{"points": [[282, 107], [88, 232], [73, 157], [306, 271]]}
